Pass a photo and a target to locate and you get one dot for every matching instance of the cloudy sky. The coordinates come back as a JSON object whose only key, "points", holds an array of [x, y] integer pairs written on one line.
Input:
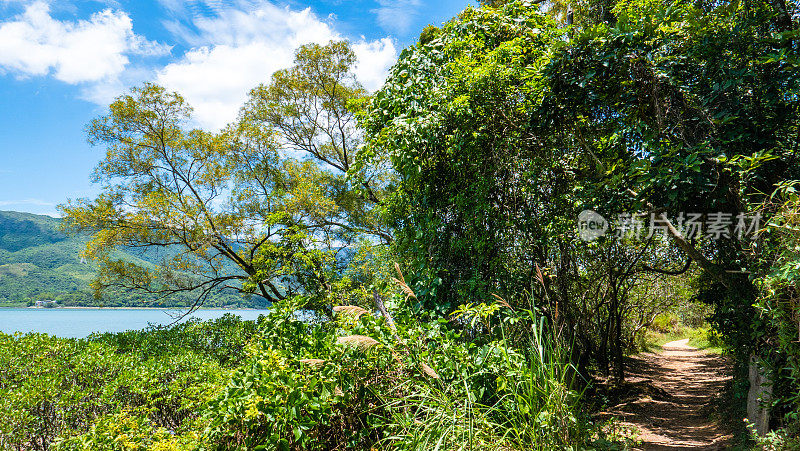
{"points": [[62, 62]]}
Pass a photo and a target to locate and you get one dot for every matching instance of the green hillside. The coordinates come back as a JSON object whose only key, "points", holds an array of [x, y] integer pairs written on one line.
{"points": [[38, 261]]}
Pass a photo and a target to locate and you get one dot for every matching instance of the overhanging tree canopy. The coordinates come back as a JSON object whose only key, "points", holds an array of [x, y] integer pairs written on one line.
{"points": [[503, 125]]}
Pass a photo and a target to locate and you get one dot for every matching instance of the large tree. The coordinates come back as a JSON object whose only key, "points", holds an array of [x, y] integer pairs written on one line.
{"points": [[263, 206], [311, 107]]}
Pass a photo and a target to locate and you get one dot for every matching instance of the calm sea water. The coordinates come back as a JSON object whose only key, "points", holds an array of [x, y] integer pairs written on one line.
{"points": [[79, 323]]}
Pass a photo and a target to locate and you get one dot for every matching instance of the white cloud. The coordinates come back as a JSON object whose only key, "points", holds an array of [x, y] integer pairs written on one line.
{"points": [[375, 58], [396, 15], [89, 52], [236, 49], [232, 46], [104, 91]]}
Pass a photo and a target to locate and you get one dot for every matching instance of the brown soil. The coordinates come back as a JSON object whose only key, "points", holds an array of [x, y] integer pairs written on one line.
{"points": [[672, 397]]}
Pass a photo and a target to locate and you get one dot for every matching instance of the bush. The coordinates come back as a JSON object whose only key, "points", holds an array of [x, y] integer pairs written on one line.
{"points": [[222, 340], [127, 432], [665, 323], [359, 382], [488, 377], [53, 388]]}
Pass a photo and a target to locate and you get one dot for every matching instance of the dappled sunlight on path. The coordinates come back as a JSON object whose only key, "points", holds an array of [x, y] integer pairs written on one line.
{"points": [[677, 412]]}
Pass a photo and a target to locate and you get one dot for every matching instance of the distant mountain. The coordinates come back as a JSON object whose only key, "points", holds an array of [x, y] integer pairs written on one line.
{"points": [[38, 262]]}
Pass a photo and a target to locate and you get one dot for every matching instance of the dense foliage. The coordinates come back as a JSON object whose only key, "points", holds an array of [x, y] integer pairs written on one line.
{"points": [[493, 177], [472, 167], [284, 383], [261, 207], [503, 126], [113, 387]]}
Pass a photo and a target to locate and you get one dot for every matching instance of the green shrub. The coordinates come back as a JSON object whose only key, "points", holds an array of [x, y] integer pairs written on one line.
{"points": [[778, 440], [489, 378], [222, 339], [128, 432], [360, 383], [665, 323], [53, 388]]}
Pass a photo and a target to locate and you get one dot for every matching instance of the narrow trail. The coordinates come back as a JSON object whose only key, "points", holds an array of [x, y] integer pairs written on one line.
{"points": [[675, 405]]}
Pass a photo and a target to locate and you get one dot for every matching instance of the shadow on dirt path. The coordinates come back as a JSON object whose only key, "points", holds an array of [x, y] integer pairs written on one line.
{"points": [[675, 405]]}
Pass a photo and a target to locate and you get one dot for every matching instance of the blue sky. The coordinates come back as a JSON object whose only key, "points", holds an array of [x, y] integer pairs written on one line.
{"points": [[62, 62]]}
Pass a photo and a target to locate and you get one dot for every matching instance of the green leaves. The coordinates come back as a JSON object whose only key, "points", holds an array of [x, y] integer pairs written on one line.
{"points": [[260, 207], [95, 395], [451, 118]]}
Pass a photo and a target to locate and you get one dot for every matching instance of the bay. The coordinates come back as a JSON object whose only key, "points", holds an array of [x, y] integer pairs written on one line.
{"points": [[81, 322]]}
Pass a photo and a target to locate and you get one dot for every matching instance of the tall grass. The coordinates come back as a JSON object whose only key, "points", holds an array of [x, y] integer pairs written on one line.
{"points": [[432, 418], [532, 407], [540, 409]]}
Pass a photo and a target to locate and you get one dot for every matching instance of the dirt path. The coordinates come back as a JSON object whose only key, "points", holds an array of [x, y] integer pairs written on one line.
{"points": [[674, 405]]}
